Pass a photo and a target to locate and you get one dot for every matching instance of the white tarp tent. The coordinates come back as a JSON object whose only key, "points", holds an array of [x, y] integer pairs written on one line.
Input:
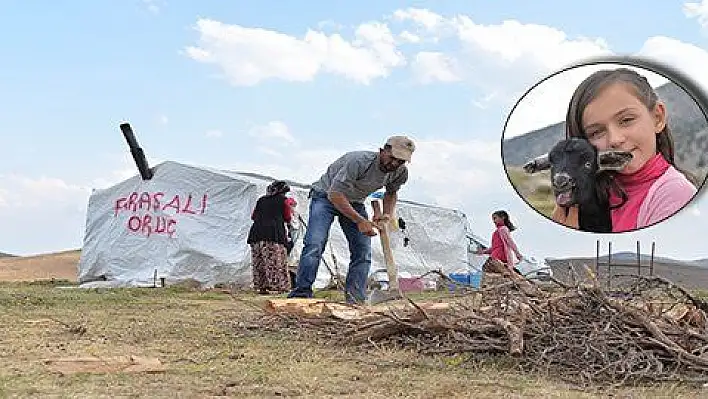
{"points": [[191, 222]]}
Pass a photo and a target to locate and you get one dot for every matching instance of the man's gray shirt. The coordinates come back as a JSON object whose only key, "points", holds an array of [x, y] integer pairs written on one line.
{"points": [[356, 174]]}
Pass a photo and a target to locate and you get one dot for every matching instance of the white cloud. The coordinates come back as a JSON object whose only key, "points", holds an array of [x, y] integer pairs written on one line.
{"points": [[443, 172], [505, 59], [425, 18], [502, 57], [214, 133], [41, 212], [304, 166], [124, 169], [329, 24], [484, 102], [153, 5], [431, 67], [115, 177], [547, 102], [46, 193], [684, 57], [48, 213], [275, 132], [408, 37], [699, 11], [248, 56], [446, 172], [269, 152]]}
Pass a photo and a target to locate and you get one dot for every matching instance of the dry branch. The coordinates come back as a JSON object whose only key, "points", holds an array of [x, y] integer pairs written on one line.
{"points": [[650, 331]]}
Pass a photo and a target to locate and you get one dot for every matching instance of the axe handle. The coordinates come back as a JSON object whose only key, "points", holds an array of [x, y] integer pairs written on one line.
{"points": [[386, 247]]}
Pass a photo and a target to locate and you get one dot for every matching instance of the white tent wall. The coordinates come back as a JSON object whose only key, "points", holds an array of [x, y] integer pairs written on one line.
{"points": [[209, 245], [204, 246]]}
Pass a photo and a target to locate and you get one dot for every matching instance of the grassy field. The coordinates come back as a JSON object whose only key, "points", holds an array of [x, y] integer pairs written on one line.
{"points": [[196, 337], [534, 189]]}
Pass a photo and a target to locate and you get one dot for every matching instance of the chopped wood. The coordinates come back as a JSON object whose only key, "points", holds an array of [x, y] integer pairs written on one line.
{"points": [[649, 331], [321, 308]]}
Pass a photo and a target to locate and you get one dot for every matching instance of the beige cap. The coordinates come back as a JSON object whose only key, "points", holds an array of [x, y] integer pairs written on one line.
{"points": [[401, 147]]}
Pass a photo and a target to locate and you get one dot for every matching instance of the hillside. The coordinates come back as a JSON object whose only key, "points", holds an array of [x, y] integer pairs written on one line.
{"points": [[630, 257], [685, 274], [689, 126], [60, 266], [534, 189], [700, 262]]}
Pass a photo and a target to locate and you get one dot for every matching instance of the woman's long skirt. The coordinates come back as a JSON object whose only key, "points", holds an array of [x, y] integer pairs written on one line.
{"points": [[269, 265]]}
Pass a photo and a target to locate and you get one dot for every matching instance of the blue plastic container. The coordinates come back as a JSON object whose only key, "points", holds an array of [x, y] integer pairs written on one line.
{"points": [[469, 279], [476, 279]]}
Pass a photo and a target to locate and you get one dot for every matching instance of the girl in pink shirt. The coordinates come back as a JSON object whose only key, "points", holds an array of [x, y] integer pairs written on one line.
{"points": [[619, 110], [503, 249]]}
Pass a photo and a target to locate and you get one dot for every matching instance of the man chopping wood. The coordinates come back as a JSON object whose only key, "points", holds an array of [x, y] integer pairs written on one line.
{"points": [[341, 192]]}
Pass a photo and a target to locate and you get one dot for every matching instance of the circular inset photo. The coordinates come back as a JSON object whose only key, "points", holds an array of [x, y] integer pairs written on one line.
{"points": [[608, 147]]}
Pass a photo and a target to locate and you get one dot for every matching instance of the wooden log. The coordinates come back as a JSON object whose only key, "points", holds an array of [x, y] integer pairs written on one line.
{"points": [[319, 308]]}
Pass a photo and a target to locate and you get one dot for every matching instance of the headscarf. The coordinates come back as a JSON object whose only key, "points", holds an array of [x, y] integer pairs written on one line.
{"points": [[277, 187]]}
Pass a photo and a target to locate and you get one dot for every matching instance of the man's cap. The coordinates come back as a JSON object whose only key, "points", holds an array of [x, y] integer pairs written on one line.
{"points": [[401, 147]]}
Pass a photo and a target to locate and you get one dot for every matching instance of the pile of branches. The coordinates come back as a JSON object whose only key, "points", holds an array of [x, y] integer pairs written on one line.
{"points": [[650, 330]]}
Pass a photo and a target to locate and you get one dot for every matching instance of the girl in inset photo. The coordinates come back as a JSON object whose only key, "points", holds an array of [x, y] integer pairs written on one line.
{"points": [[619, 110]]}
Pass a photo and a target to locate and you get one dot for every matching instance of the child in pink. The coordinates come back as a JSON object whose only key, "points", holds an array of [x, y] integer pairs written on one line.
{"points": [[617, 109], [503, 247]]}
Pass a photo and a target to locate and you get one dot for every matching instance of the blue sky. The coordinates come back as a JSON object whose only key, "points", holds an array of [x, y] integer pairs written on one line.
{"points": [[198, 79]]}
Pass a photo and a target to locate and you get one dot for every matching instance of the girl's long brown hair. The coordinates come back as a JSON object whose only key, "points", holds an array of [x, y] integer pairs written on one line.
{"points": [[505, 217]]}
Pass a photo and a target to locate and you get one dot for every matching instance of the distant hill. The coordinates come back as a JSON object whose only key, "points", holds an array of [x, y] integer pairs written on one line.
{"points": [[631, 258], [688, 124], [60, 265], [5, 255], [700, 262]]}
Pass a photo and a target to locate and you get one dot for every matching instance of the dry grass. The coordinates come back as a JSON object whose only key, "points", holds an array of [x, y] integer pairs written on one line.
{"points": [[194, 334]]}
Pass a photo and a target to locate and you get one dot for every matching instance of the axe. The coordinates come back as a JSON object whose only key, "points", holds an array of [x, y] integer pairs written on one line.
{"points": [[393, 292]]}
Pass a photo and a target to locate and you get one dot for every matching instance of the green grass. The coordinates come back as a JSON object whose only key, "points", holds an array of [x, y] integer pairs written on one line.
{"points": [[193, 333]]}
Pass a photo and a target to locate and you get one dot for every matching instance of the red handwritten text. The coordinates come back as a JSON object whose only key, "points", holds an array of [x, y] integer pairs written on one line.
{"points": [[152, 220]]}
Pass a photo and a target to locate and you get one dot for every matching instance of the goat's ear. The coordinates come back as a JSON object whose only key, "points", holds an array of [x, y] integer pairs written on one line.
{"points": [[537, 164], [613, 160]]}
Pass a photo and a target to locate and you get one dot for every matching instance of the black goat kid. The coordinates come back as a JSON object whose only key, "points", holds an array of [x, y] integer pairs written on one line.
{"points": [[575, 166]]}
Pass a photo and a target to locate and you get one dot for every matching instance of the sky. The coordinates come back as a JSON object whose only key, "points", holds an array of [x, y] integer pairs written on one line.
{"points": [[283, 89]]}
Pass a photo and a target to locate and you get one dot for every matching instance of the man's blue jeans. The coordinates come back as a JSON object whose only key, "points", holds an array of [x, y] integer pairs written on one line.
{"points": [[322, 214]]}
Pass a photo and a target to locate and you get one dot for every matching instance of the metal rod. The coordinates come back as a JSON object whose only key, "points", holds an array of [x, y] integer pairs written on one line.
{"points": [[639, 260], [597, 259], [609, 264], [651, 260]]}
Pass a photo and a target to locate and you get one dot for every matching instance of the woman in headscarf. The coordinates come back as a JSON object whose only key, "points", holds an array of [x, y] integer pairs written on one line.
{"points": [[268, 239]]}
